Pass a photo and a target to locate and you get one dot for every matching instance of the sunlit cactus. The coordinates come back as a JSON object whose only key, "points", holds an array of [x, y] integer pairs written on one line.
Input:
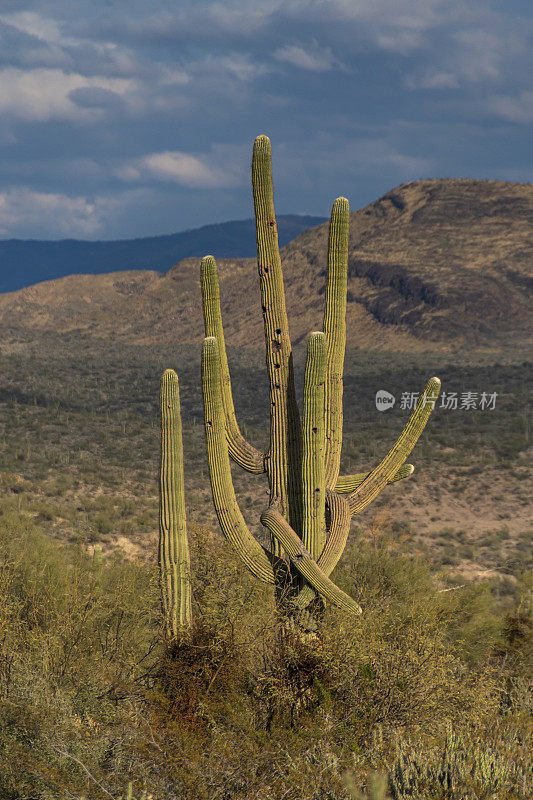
{"points": [[174, 564], [311, 504]]}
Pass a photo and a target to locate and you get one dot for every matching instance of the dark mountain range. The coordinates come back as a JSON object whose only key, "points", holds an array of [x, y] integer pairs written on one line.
{"points": [[25, 262]]}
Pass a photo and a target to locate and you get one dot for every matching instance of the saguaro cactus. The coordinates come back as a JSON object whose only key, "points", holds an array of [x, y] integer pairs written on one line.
{"points": [[311, 505], [174, 565]]}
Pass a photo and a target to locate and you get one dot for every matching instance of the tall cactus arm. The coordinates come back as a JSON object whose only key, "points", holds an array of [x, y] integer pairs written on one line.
{"points": [[240, 450], [306, 566], [337, 537], [228, 512], [335, 329], [284, 457], [377, 479], [313, 490], [348, 483], [174, 563]]}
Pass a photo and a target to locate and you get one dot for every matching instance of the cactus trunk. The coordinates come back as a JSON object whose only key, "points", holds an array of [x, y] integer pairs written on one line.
{"points": [[284, 457], [174, 563]]}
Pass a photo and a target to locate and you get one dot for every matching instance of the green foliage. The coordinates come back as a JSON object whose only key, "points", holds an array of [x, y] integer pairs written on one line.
{"points": [[91, 699], [70, 628], [456, 766], [461, 769], [377, 787]]}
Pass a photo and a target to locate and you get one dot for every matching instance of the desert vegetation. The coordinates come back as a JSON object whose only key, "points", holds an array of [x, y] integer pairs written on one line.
{"points": [[86, 687], [427, 694], [428, 688]]}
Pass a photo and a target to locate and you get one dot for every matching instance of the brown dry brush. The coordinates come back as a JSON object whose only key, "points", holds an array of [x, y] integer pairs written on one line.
{"points": [[216, 719]]}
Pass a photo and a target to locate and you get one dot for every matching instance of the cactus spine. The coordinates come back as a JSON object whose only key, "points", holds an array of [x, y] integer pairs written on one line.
{"points": [[174, 565], [311, 505]]}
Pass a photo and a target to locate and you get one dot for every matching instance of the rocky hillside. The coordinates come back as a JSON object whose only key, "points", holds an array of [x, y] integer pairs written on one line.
{"points": [[436, 263]]}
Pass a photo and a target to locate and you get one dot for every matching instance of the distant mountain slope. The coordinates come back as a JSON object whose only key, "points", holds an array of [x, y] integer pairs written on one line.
{"points": [[443, 259], [25, 262], [435, 263]]}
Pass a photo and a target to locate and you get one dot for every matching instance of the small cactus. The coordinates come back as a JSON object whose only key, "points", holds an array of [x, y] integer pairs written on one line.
{"points": [[174, 563], [129, 794], [377, 787], [462, 769], [97, 558]]}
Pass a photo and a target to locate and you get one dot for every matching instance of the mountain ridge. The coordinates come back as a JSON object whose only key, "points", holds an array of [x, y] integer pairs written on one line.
{"points": [[440, 263], [29, 261]]}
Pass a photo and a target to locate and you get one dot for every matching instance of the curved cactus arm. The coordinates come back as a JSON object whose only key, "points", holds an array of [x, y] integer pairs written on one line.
{"points": [[313, 491], [174, 563], [228, 512], [394, 459], [306, 566], [349, 483], [336, 542], [284, 458], [335, 329], [240, 450]]}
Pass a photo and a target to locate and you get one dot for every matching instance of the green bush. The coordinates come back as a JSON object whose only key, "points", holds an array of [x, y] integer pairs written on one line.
{"points": [[461, 768], [91, 700]]}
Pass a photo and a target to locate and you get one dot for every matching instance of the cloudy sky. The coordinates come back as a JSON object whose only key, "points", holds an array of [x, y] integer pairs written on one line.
{"points": [[125, 118]]}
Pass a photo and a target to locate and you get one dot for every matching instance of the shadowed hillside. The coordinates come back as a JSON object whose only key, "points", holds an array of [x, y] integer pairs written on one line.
{"points": [[436, 263]]}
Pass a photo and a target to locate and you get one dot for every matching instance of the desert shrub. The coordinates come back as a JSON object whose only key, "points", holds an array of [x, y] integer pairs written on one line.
{"points": [[69, 633], [474, 626], [517, 644], [90, 698], [462, 768]]}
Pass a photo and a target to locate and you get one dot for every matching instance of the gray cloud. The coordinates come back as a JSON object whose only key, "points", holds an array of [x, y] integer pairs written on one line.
{"points": [[70, 216], [186, 169], [126, 114], [311, 57], [94, 97], [516, 109]]}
